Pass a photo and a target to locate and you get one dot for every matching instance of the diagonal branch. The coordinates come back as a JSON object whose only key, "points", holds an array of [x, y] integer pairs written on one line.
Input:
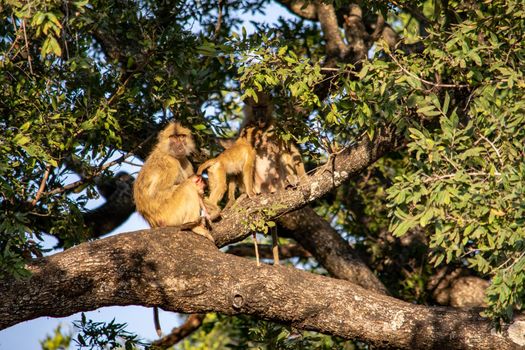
{"points": [[235, 221], [329, 248], [183, 272], [192, 323]]}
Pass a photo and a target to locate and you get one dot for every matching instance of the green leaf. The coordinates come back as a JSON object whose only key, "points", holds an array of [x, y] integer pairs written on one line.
{"points": [[439, 260], [446, 103], [21, 139], [428, 111], [426, 217], [402, 228]]}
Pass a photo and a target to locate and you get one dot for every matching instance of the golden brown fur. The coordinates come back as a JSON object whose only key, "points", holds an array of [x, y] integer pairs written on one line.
{"points": [[278, 163], [239, 158], [166, 192], [165, 168]]}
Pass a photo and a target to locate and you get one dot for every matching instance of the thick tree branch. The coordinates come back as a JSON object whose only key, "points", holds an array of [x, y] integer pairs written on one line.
{"points": [[119, 205], [329, 248], [356, 35], [335, 46], [183, 272], [456, 289]]}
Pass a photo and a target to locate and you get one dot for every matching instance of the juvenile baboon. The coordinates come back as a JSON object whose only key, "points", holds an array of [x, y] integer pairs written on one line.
{"points": [[278, 163], [239, 158]]}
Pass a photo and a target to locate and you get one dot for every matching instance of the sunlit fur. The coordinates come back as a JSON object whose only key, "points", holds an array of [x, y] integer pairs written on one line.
{"points": [[166, 192], [278, 163], [159, 179], [239, 158]]}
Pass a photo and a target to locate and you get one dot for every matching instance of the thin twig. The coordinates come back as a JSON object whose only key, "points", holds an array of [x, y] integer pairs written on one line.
{"points": [[328, 69], [219, 19], [428, 82], [42, 186], [448, 176], [493, 147], [16, 37], [27, 46], [97, 172]]}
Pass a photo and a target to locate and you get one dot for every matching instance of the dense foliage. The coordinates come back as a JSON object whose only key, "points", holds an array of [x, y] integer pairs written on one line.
{"points": [[85, 82]]}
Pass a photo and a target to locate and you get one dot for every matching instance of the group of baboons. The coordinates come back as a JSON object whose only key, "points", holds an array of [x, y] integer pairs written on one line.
{"points": [[168, 193]]}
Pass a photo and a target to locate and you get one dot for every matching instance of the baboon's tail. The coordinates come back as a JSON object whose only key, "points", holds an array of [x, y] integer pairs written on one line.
{"points": [[205, 166], [156, 321]]}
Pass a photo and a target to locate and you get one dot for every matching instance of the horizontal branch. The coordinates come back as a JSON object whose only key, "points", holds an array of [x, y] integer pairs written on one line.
{"points": [[184, 272]]}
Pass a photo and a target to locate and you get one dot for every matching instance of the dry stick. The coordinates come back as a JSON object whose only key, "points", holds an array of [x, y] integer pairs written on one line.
{"points": [[42, 186], [256, 249], [275, 246], [98, 172]]}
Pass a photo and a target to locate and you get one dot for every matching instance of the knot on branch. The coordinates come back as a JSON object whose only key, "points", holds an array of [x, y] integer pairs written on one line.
{"points": [[237, 301]]}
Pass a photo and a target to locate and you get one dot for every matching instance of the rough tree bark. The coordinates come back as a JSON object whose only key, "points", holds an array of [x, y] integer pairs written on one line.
{"points": [[181, 271], [329, 248]]}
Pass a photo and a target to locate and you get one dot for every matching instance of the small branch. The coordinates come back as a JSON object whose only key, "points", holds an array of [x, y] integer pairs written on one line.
{"points": [[121, 88], [493, 147], [448, 176], [428, 82], [193, 322], [219, 19], [42, 186], [27, 46], [78, 183]]}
